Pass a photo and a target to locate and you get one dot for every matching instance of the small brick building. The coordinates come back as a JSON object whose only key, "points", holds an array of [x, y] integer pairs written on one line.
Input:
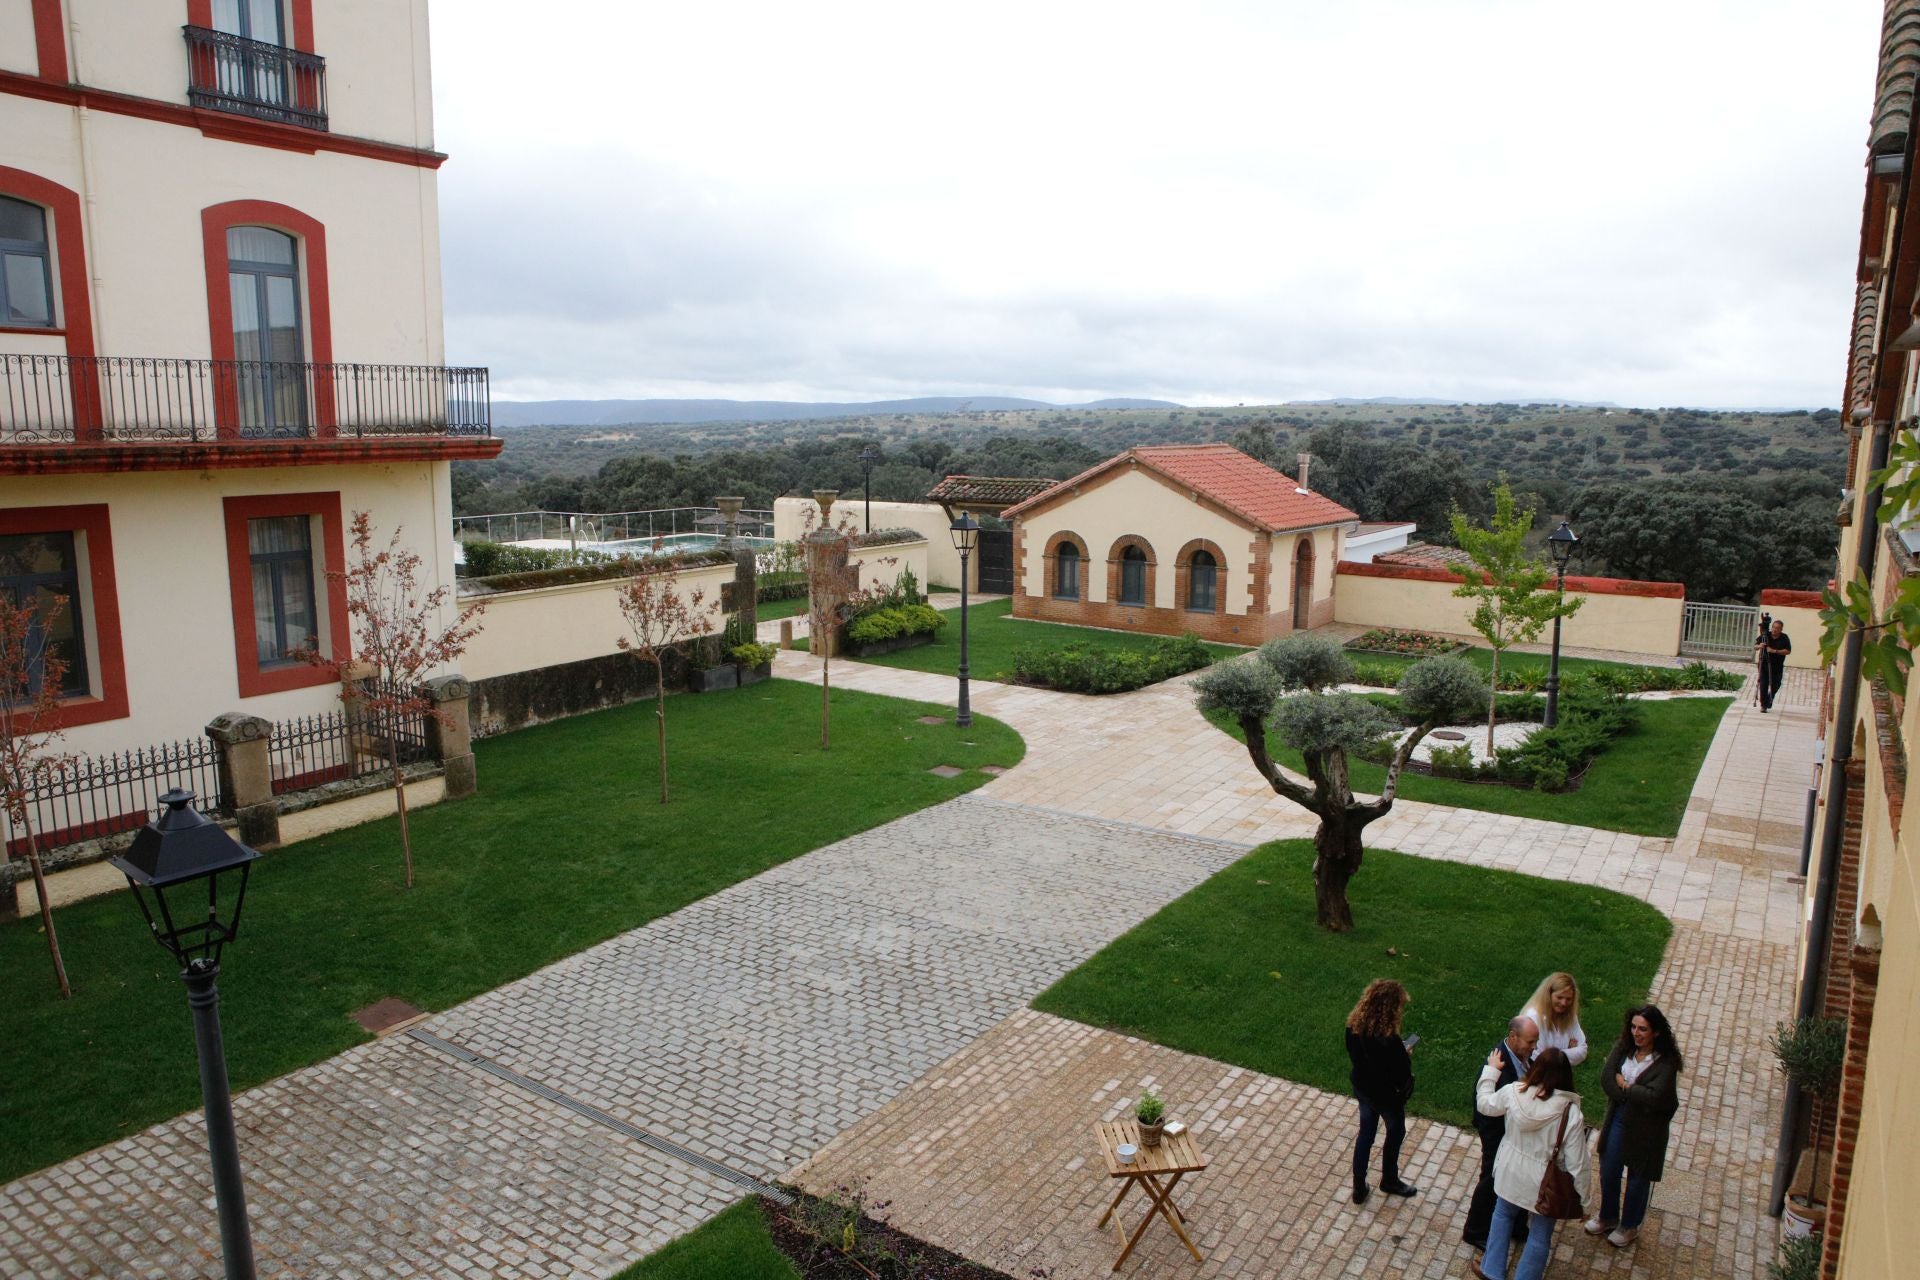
{"points": [[1175, 538]]}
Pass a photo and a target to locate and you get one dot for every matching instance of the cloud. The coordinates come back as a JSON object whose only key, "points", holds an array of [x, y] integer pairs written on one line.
{"points": [[1234, 203]]}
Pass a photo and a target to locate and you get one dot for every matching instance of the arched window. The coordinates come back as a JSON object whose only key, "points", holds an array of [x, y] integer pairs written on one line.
{"points": [[1202, 582], [1133, 576], [1066, 572], [263, 280], [26, 265]]}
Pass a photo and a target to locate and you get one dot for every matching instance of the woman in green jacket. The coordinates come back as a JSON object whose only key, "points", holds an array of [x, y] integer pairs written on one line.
{"points": [[1641, 1080]]}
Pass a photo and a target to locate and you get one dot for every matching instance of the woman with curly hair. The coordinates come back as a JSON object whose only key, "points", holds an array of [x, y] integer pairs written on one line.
{"points": [[1555, 1009], [1382, 1082], [1641, 1079]]}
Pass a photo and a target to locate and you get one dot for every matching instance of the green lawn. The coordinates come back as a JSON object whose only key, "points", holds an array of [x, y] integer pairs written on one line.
{"points": [[1237, 970], [772, 610], [733, 1246], [1639, 784], [566, 845], [993, 638]]}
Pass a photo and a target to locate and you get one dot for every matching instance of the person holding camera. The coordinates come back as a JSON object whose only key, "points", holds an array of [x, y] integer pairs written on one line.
{"points": [[1771, 651]]}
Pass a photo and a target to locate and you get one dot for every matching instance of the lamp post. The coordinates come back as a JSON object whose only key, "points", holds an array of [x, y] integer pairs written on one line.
{"points": [[170, 859], [1561, 543], [869, 456], [966, 534]]}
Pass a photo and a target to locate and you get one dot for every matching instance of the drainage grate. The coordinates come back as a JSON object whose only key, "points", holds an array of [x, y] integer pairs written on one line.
{"points": [[595, 1114]]}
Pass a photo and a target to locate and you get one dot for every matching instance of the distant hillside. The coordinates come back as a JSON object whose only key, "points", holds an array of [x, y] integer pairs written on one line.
{"points": [[621, 413]]}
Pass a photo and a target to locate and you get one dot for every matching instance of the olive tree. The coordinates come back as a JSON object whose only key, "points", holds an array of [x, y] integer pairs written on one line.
{"points": [[1287, 689]]}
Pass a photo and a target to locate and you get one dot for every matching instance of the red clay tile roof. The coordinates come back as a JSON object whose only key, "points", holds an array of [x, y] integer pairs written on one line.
{"points": [[987, 490], [1247, 487], [1425, 555]]}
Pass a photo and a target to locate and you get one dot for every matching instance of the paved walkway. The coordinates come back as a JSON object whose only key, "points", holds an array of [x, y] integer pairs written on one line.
{"points": [[754, 1026]]}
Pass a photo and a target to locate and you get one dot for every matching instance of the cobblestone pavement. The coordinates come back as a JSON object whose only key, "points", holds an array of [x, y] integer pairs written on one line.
{"points": [[750, 1027], [759, 1023]]}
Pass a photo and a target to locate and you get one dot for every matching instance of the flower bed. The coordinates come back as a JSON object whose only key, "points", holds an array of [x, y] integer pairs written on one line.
{"points": [[1410, 644]]}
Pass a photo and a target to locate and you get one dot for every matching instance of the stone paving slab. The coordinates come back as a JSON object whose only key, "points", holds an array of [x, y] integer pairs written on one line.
{"points": [[990, 1153], [389, 1160], [751, 1027]]}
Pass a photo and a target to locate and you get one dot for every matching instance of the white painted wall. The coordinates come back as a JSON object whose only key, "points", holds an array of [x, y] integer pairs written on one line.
{"points": [[379, 82], [170, 562], [17, 49], [547, 626], [143, 185], [942, 561]]}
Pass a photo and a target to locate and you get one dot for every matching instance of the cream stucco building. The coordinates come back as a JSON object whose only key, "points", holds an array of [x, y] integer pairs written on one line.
{"points": [[220, 336], [1177, 538]]}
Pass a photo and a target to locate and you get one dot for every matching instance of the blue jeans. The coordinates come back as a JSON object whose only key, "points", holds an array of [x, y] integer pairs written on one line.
{"points": [[1371, 1114], [1639, 1189], [1533, 1258]]}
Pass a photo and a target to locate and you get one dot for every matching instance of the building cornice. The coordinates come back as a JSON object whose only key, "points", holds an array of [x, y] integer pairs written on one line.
{"points": [[217, 124], [228, 455]]}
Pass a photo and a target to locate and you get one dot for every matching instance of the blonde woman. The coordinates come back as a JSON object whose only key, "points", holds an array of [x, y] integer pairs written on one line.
{"points": [[1382, 1080], [1555, 1009]]}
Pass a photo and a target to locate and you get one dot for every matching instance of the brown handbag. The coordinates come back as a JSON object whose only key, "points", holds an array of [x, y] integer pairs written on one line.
{"points": [[1558, 1199]]}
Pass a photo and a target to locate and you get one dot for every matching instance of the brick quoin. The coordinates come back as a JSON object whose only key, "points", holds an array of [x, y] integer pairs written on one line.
{"points": [[1846, 896], [1864, 970]]}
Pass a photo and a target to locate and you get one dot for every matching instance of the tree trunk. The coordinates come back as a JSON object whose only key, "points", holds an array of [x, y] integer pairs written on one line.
{"points": [[1493, 702], [1337, 853], [400, 796], [46, 912], [660, 715]]}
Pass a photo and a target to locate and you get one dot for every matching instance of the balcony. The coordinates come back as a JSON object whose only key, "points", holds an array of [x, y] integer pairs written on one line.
{"points": [[97, 406], [254, 78]]}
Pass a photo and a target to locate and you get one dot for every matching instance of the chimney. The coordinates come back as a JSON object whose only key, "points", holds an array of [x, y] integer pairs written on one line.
{"points": [[1306, 460]]}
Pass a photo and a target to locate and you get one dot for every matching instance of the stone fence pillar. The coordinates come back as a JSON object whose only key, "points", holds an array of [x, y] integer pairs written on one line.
{"points": [[246, 776], [450, 732]]}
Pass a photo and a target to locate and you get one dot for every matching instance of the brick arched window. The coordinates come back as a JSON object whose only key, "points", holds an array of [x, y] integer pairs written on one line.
{"points": [[1200, 577], [1066, 567], [1130, 571]]}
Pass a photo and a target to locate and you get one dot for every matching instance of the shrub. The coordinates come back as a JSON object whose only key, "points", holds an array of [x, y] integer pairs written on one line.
{"points": [[1081, 667], [891, 623], [752, 654], [1377, 675], [485, 559], [1455, 761], [1799, 1259]]}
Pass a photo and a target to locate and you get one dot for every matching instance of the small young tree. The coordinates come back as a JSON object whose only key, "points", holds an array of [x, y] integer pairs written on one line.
{"points": [[661, 620], [398, 634], [1285, 686], [1505, 581], [31, 676], [832, 589]]}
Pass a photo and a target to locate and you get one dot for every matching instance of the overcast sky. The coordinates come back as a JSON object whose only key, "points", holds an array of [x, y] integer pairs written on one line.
{"points": [[1654, 203]]}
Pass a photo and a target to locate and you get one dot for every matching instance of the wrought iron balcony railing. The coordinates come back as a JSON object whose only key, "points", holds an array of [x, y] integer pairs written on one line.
{"points": [[254, 78], [117, 399]]}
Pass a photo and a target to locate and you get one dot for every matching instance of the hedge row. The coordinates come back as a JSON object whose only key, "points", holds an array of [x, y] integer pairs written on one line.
{"points": [[1081, 667]]}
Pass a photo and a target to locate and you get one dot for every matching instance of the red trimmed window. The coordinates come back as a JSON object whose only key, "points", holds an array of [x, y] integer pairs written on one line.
{"points": [[284, 558], [68, 552], [269, 322]]}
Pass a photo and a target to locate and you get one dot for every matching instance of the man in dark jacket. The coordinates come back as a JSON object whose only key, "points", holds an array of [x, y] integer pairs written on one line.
{"points": [[1516, 1055]]}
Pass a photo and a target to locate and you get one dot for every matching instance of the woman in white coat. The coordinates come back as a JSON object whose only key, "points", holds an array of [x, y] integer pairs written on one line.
{"points": [[1534, 1108]]}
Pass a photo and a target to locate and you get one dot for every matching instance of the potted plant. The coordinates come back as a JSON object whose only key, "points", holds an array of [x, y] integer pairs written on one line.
{"points": [[753, 661], [1811, 1053], [703, 674], [1151, 1112]]}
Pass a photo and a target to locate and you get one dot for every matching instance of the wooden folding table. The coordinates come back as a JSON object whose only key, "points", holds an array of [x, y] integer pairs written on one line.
{"points": [[1156, 1171]]}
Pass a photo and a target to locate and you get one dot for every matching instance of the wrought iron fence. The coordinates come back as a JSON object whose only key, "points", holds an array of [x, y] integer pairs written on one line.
{"points": [[256, 78], [310, 751], [105, 795], [1719, 630], [65, 399]]}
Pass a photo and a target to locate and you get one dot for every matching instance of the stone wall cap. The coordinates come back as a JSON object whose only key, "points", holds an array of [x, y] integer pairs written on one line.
{"points": [[238, 726], [448, 688]]}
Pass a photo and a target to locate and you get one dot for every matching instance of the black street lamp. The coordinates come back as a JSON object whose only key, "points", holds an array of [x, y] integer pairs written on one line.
{"points": [[966, 535], [1561, 543], [869, 456], [171, 858]]}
